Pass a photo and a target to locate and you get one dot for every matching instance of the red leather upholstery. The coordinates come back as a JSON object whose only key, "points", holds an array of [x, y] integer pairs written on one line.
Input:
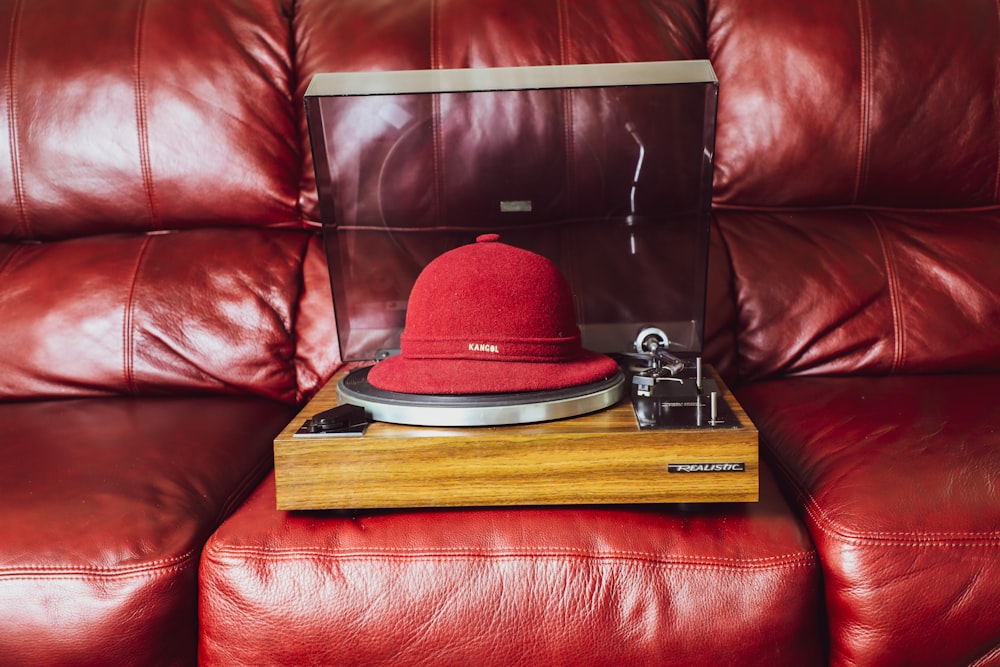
{"points": [[864, 291], [858, 169], [125, 115], [317, 353], [155, 277], [107, 503], [561, 586], [898, 480], [151, 151], [194, 311], [842, 102]]}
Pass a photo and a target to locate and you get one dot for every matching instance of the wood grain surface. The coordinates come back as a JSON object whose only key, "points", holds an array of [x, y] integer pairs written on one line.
{"points": [[601, 458]]}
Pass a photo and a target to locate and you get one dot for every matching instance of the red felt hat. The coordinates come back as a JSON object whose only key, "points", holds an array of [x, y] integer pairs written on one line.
{"points": [[490, 318]]}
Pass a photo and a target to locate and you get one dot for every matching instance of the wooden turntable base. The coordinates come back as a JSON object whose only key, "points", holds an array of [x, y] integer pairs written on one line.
{"points": [[600, 458]]}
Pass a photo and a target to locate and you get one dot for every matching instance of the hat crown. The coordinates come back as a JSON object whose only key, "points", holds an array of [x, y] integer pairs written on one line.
{"points": [[491, 300]]}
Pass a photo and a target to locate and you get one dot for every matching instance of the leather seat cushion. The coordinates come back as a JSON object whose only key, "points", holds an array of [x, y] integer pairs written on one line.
{"points": [[106, 505], [722, 584], [898, 480]]}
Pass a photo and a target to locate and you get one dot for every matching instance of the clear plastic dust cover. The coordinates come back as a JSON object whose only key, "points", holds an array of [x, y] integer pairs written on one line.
{"points": [[604, 169]]}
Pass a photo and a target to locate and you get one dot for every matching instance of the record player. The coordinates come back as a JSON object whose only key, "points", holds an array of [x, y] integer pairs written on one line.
{"points": [[602, 171]]}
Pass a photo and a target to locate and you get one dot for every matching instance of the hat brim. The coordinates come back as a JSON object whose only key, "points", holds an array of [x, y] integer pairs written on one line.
{"points": [[477, 376]]}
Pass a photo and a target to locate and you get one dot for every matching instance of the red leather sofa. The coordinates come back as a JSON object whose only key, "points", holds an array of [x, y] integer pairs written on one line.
{"points": [[165, 308]]}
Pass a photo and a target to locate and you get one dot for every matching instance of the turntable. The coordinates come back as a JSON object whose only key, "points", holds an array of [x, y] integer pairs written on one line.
{"points": [[602, 170], [669, 448]]}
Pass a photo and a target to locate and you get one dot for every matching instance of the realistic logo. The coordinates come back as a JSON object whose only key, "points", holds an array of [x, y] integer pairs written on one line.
{"points": [[484, 347], [706, 467]]}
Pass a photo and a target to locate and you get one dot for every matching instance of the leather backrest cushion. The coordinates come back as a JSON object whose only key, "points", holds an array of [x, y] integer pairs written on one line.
{"points": [[429, 34], [144, 314], [125, 115], [872, 292], [316, 339], [875, 102]]}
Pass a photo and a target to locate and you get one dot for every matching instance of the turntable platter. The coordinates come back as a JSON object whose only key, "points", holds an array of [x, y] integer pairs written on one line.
{"points": [[479, 409]]}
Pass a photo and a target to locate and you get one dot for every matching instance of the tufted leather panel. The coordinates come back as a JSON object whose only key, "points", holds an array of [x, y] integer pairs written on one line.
{"points": [[450, 34], [732, 584], [193, 311], [898, 480], [107, 503], [130, 115], [876, 292], [873, 102]]}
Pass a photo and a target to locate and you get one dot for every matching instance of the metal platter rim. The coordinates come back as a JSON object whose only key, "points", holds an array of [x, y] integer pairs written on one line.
{"points": [[477, 410]]}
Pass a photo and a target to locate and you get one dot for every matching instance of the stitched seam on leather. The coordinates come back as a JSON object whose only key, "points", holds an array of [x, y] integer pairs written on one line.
{"points": [[436, 131], [174, 563], [435, 45], [17, 172], [832, 528], [895, 301], [865, 112], [562, 19], [801, 559], [142, 118], [670, 566], [825, 523], [569, 146], [438, 148], [128, 322], [95, 576]]}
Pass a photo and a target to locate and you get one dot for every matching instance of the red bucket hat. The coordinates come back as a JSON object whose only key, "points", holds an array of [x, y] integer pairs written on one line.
{"points": [[490, 318]]}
